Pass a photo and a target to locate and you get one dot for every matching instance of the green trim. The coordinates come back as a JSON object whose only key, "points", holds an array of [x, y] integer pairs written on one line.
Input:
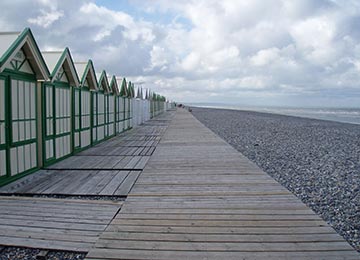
{"points": [[123, 91], [19, 75], [103, 78], [60, 63], [89, 69], [114, 86], [26, 32]]}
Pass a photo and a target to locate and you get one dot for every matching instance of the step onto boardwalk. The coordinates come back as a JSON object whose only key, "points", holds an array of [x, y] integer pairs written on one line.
{"points": [[57, 224], [198, 198]]}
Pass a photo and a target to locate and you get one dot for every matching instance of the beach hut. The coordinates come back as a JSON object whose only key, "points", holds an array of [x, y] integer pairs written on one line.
{"points": [[131, 101], [147, 105], [120, 105], [136, 109], [57, 127], [100, 108], [83, 106], [127, 105], [112, 96], [139, 107], [21, 66]]}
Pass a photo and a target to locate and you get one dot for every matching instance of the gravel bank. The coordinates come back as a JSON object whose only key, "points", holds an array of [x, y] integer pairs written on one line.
{"points": [[318, 161]]}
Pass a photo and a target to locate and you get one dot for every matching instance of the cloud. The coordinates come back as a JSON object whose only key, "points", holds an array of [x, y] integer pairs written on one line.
{"points": [[226, 51], [46, 18]]}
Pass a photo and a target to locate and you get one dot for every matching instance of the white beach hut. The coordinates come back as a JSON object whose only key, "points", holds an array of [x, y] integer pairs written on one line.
{"points": [[57, 106], [100, 108], [83, 105], [21, 66]]}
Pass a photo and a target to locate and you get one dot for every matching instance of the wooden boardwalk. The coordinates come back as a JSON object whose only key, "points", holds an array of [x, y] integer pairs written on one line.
{"points": [[198, 198], [59, 224]]}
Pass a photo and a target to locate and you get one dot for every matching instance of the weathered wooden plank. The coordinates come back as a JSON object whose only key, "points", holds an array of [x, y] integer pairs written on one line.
{"points": [[223, 238], [217, 217], [115, 183], [225, 246], [221, 230], [220, 223], [105, 253], [128, 183]]}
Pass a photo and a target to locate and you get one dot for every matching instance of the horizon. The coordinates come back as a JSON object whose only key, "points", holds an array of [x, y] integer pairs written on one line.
{"points": [[299, 53]]}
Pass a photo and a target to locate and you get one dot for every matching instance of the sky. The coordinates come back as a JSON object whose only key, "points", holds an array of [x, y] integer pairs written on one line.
{"points": [[244, 52]]}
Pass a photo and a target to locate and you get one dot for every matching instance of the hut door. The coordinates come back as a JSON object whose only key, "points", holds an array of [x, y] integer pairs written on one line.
{"points": [[82, 112], [77, 118], [23, 152], [49, 154], [3, 163], [58, 122]]}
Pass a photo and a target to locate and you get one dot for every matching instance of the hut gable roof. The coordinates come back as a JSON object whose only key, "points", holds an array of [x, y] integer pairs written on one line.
{"points": [[87, 74], [103, 82], [123, 90], [114, 85], [14, 43], [139, 93], [61, 63], [131, 90]]}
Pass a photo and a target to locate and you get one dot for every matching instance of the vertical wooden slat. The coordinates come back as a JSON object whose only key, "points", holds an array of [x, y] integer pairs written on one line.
{"points": [[3, 163], [13, 161], [2, 112]]}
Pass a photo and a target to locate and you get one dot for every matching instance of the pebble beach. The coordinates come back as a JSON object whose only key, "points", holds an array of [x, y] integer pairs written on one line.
{"points": [[317, 160]]}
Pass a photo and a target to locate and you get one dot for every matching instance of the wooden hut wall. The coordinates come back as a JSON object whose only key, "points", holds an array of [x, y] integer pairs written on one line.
{"points": [[110, 122], [57, 126], [3, 127], [120, 114], [98, 101], [58, 105], [82, 117]]}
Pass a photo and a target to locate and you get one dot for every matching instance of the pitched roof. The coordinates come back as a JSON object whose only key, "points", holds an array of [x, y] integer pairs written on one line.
{"points": [[12, 42], [123, 90], [86, 72], [55, 60], [139, 93], [129, 90], [114, 85], [103, 82]]}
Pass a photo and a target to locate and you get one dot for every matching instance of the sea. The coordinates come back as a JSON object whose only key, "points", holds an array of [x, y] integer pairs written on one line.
{"points": [[343, 115]]}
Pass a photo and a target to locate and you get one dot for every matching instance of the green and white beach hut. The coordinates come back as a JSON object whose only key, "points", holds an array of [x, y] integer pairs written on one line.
{"points": [[57, 106], [83, 105], [100, 108], [112, 96], [125, 92], [21, 67], [120, 105], [131, 97]]}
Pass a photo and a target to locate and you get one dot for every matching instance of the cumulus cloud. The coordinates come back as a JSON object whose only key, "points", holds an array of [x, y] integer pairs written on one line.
{"points": [[274, 51], [46, 18]]}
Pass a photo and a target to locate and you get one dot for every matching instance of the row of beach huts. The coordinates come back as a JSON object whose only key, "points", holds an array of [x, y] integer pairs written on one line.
{"points": [[52, 107]]}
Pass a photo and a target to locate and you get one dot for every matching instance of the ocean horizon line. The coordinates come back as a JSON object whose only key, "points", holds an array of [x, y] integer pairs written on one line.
{"points": [[349, 115]]}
